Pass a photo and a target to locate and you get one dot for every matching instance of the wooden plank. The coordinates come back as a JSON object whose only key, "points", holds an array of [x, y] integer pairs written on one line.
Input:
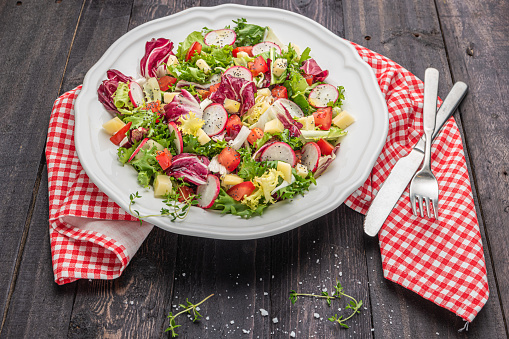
{"points": [[409, 33], [479, 55], [34, 42], [38, 307]]}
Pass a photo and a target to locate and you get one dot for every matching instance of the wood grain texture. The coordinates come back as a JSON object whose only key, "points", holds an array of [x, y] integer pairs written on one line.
{"points": [[39, 308], [31, 35], [479, 55], [409, 33]]}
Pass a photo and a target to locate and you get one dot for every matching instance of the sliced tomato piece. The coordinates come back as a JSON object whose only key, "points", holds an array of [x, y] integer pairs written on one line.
{"points": [[298, 155], [247, 49], [325, 147], [214, 88], [184, 193], [256, 133], [258, 66], [309, 79], [166, 82], [323, 118], [233, 124], [204, 93], [155, 106], [164, 159], [239, 191], [229, 158], [280, 91], [120, 134], [194, 49]]}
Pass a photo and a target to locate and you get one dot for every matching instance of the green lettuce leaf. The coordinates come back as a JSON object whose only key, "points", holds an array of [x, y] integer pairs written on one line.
{"points": [[248, 34], [186, 44]]}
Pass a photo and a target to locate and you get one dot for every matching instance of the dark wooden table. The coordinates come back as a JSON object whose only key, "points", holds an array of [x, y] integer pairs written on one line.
{"points": [[46, 48]]}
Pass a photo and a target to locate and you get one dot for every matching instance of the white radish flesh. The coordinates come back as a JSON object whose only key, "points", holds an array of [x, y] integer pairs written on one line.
{"points": [[279, 151], [322, 94], [265, 47], [215, 118], [310, 156], [179, 142], [136, 94], [220, 38], [208, 192], [239, 72]]}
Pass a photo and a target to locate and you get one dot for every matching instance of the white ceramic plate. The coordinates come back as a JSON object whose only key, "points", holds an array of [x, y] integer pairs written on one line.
{"points": [[356, 156]]}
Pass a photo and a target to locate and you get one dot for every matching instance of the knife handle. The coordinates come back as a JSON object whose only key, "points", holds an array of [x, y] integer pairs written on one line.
{"points": [[449, 105], [430, 100]]}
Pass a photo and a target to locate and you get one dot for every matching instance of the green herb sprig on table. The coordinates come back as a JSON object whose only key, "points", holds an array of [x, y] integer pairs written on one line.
{"points": [[175, 210], [354, 305], [190, 308]]}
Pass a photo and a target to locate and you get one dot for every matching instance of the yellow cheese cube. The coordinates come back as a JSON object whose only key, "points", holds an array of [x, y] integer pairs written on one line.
{"points": [[308, 123], [202, 64], [113, 125], [301, 170], [343, 120], [231, 179], [286, 169], [203, 138], [168, 97], [172, 60], [231, 106], [279, 66], [274, 126], [162, 185], [263, 92]]}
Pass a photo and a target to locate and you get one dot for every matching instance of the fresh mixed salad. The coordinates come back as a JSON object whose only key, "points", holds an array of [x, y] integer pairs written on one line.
{"points": [[233, 120]]}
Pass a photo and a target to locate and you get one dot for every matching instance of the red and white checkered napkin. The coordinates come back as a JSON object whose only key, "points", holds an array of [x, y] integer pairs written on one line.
{"points": [[91, 237], [442, 260]]}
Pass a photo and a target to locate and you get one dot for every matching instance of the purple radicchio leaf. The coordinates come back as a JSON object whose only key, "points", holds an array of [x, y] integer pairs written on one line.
{"points": [[182, 104], [287, 120], [236, 89], [311, 67], [325, 161], [108, 88], [157, 52], [190, 168]]}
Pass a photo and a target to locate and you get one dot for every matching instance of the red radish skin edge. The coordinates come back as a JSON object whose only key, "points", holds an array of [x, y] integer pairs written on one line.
{"points": [[135, 93], [224, 119], [179, 143], [266, 154], [208, 192], [137, 150], [323, 87], [224, 29], [311, 149], [239, 72]]}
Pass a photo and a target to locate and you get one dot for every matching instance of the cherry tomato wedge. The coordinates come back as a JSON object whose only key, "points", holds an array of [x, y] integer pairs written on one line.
{"points": [[323, 118], [229, 158], [247, 49], [194, 49], [258, 66], [280, 91], [120, 134], [166, 82], [325, 147], [214, 88], [239, 191], [204, 93], [184, 193], [164, 159], [256, 133], [233, 125], [309, 79]]}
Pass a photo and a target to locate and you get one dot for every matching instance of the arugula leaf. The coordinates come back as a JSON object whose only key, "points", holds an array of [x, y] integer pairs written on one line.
{"points": [[146, 165], [210, 149], [227, 204], [187, 71], [300, 186], [305, 54], [248, 34], [339, 102]]}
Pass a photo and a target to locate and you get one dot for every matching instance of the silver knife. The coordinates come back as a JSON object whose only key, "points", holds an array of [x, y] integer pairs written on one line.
{"points": [[405, 168]]}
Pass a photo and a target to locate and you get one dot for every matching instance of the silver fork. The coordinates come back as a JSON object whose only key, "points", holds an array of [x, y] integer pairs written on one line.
{"points": [[424, 185]]}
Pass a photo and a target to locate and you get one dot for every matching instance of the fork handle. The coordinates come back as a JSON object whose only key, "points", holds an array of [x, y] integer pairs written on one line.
{"points": [[429, 111]]}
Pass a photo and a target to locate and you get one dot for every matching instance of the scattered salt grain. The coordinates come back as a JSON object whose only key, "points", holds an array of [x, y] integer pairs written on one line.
{"points": [[292, 334], [263, 312], [183, 274], [207, 318], [265, 293], [275, 321], [232, 322], [131, 302], [316, 315], [246, 331], [317, 261]]}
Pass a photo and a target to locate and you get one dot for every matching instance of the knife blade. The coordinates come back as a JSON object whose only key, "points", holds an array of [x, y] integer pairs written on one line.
{"points": [[405, 168]]}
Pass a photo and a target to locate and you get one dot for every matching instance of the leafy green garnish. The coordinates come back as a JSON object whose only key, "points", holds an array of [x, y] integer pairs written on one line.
{"points": [[227, 204], [210, 149], [186, 44], [191, 309], [248, 34]]}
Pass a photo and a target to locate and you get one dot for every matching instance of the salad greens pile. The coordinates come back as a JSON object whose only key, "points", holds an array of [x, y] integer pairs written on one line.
{"points": [[232, 120]]}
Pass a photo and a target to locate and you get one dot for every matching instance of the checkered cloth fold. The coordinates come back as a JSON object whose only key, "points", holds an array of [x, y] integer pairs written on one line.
{"points": [[443, 261]]}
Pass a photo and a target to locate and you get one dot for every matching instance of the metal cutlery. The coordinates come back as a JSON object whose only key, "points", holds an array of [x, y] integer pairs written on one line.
{"points": [[424, 184], [403, 171]]}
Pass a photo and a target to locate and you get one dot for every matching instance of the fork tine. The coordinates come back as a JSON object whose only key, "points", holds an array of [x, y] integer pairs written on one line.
{"points": [[419, 199], [426, 201], [435, 207], [412, 201]]}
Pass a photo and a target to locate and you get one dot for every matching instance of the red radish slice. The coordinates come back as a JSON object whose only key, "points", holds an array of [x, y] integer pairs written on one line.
{"points": [[294, 109], [239, 72], [146, 144], [137, 150], [220, 37], [279, 151], [310, 156], [322, 94], [136, 94], [265, 47], [179, 143], [208, 192], [215, 117]]}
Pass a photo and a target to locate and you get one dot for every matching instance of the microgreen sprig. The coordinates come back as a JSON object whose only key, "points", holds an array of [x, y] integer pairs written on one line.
{"points": [[190, 308], [354, 305], [175, 210]]}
